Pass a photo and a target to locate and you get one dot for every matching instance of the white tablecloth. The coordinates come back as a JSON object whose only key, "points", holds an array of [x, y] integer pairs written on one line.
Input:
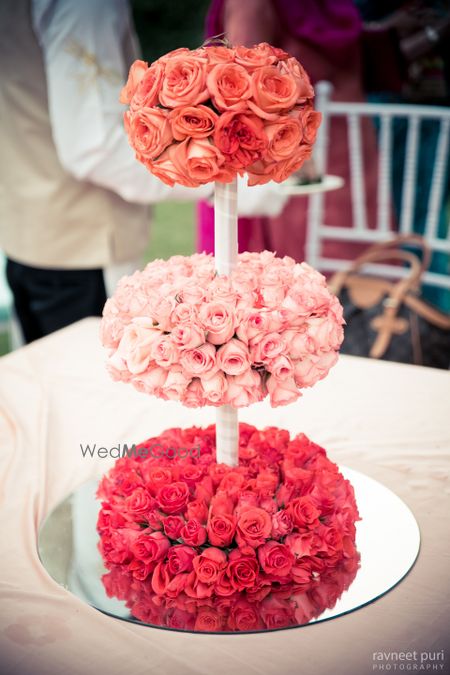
{"points": [[389, 420]]}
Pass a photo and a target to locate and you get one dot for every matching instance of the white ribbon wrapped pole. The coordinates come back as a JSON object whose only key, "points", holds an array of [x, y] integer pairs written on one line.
{"points": [[225, 252]]}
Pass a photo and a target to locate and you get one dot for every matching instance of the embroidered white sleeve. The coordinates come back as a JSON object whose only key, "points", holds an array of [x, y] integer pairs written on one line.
{"points": [[81, 43]]}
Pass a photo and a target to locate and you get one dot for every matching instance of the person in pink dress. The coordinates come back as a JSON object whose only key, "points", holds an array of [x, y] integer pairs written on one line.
{"points": [[324, 35]]}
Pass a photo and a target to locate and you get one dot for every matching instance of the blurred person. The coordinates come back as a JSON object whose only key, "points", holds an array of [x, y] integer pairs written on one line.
{"points": [[74, 201], [324, 35], [407, 60]]}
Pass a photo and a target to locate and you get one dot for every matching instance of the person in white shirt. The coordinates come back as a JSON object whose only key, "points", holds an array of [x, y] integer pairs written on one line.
{"points": [[73, 199]]}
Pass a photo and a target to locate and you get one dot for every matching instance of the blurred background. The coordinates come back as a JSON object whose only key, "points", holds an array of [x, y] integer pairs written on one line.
{"points": [[394, 171]]}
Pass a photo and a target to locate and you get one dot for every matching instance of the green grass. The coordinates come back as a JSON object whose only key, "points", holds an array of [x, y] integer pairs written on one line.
{"points": [[172, 230]]}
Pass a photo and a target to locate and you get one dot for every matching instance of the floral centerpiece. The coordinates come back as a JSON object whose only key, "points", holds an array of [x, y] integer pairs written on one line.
{"points": [[257, 517]]}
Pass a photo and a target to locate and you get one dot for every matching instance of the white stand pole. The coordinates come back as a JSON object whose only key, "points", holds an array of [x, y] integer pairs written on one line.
{"points": [[225, 252]]}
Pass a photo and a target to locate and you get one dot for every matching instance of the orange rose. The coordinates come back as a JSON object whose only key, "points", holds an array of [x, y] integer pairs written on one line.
{"points": [[199, 158], [184, 82], [218, 54], [146, 93], [192, 121], [272, 92], [164, 168], [294, 69], [311, 120], [137, 72], [241, 138], [148, 131], [285, 135], [255, 57], [282, 170], [260, 172], [229, 86]]}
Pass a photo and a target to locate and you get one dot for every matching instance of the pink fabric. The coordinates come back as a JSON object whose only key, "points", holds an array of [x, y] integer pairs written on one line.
{"points": [[388, 420], [261, 20]]}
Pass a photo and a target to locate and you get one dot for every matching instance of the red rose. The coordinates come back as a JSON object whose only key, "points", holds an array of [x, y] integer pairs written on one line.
{"points": [[223, 585], [275, 558], [156, 477], [160, 578], [281, 524], [198, 510], [241, 138], [180, 559], [191, 473], [243, 570], [221, 504], [193, 533], [172, 526], [303, 512], [209, 564], [173, 498], [253, 527], [208, 619], [244, 616], [139, 502], [221, 529], [150, 548], [140, 569], [277, 613]]}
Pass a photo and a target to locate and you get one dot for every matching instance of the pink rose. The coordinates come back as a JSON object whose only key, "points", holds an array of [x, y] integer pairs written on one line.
{"points": [[192, 122], [275, 558], [137, 72], [218, 320], [282, 392], [229, 86], [233, 357], [194, 396], [136, 344], [313, 367], [175, 384], [326, 332], [139, 502], [149, 131], [245, 389], [146, 92], [214, 387], [240, 138], [152, 381], [272, 92], [188, 336], [184, 81], [255, 322], [164, 352], [200, 361], [281, 367], [265, 348]]}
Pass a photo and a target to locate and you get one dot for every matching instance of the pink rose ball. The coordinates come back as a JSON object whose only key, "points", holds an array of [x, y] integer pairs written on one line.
{"points": [[178, 331]]}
